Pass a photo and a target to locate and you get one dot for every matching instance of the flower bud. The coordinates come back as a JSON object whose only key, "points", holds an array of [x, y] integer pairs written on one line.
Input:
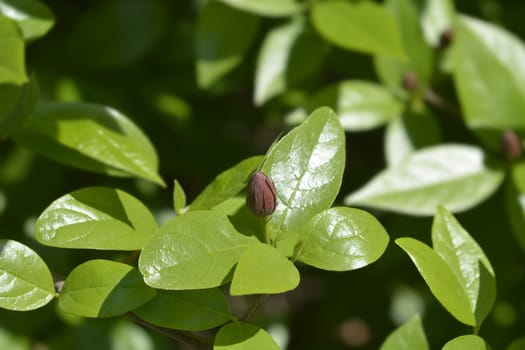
{"points": [[511, 145], [261, 197]]}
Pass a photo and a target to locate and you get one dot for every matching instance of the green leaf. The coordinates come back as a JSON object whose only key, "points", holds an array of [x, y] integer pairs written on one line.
{"points": [[262, 269], [391, 69], [437, 16], [14, 341], [361, 26], [194, 251], [517, 344], [12, 62], [515, 200], [407, 337], [103, 288], [409, 133], [341, 239], [96, 218], [33, 17], [91, 137], [489, 70], [224, 35], [243, 336], [26, 280], [227, 184], [470, 342], [191, 310], [271, 8], [126, 335], [306, 166], [179, 198], [440, 279], [360, 105], [453, 175], [281, 62], [466, 260]]}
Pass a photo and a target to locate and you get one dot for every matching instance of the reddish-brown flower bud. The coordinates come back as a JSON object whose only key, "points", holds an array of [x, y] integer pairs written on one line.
{"points": [[261, 197], [511, 145]]}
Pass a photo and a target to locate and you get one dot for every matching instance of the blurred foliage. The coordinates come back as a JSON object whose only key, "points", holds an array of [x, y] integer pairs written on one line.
{"points": [[138, 56]]}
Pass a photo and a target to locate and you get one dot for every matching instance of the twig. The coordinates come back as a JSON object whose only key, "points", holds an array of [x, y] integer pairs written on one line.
{"points": [[434, 99], [255, 306]]}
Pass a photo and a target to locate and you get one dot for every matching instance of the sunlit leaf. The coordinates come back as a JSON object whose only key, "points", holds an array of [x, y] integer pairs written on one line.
{"points": [[12, 62], [470, 342], [408, 336], [271, 8], [103, 288], [34, 18], [96, 218], [243, 336], [26, 282]]}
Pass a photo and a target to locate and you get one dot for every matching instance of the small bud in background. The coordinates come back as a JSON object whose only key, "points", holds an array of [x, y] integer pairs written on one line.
{"points": [[511, 145], [261, 197], [445, 39], [410, 82]]}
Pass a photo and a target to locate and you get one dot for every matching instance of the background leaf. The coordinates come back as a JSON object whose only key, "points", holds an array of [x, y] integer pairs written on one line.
{"points": [[360, 105], [466, 260], [440, 279], [240, 336], [18, 105], [453, 175], [262, 269], [391, 69], [437, 16], [342, 239], [96, 218], [26, 280], [408, 336], [12, 62], [227, 184], [179, 198], [33, 17], [224, 34], [194, 251], [489, 68], [91, 137], [103, 288], [471, 342], [272, 8], [362, 26], [515, 200], [306, 166], [190, 310]]}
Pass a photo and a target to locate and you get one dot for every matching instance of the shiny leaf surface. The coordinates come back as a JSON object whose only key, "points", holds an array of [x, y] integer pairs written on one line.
{"points": [[33, 17], [96, 218]]}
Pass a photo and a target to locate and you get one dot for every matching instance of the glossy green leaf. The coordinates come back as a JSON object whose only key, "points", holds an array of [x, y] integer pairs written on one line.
{"points": [[33, 17], [391, 69], [470, 342], [360, 105], [103, 288], [12, 62], [440, 279], [466, 260], [224, 35], [361, 26], [410, 132], [101, 36], [27, 283], [453, 175], [281, 62], [194, 251], [243, 336], [262, 269], [271, 8], [91, 137], [341, 239], [190, 310], [306, 166], [515, 200], [227, 184], [408, 336], [437, 16], [96, 218], [489, 70], [179, 198]]}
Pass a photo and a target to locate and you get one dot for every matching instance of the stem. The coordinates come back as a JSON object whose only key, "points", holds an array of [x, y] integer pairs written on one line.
{"points": [[255, 306], [476, 330], [192, 340], [434, 99]]}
